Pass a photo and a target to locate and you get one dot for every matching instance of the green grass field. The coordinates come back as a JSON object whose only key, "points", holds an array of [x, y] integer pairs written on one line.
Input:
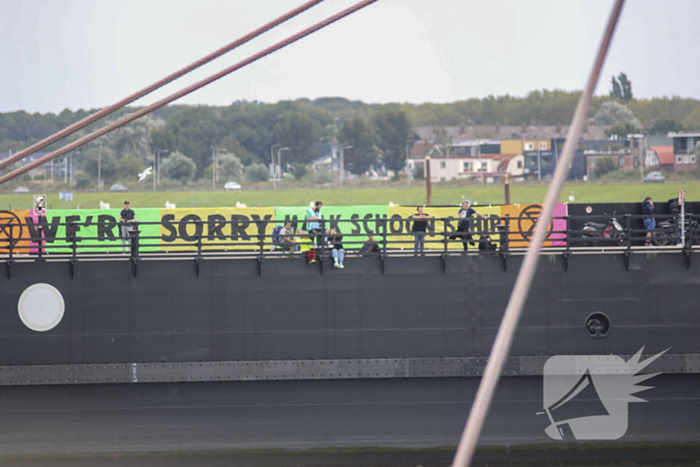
{"points": [[520, 193]]}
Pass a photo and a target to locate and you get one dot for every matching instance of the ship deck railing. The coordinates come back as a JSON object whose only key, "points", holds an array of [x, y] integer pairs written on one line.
{"points": [[489, 236]]}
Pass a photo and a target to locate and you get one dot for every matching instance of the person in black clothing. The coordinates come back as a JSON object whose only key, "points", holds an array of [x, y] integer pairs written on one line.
{"points": [[127, 218], [465, 223], [338, 252], [370, 247], [419, 228]]}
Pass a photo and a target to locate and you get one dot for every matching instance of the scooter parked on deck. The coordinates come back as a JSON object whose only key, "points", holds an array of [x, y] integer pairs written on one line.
{"points": [[610, 233]]}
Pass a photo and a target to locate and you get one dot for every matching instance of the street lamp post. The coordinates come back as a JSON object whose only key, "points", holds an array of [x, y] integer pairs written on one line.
{"points": [[215, 166], [341, 167], [278, 170], [71, 168], [99, 168], [156, 163], [272, 164]]}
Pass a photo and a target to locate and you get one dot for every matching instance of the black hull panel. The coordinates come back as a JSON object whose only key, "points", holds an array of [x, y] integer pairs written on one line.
{"points": [[286, 311]]}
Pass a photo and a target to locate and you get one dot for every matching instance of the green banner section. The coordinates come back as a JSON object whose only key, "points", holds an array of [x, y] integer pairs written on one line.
{"points": [[350, 220], [96, 230]]}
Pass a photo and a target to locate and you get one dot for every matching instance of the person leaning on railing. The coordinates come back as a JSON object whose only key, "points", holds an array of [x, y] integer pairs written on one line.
{"points": [[127, 218]]}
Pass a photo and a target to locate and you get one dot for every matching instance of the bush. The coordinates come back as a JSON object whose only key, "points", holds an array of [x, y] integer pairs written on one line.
{"points": [[83, 181], [320, 178], [418, 172], [603, 166], [298, 170], [256, 173], [179, 167]]}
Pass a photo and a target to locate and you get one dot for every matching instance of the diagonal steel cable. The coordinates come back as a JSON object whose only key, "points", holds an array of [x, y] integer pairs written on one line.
{"points": [[509, 324], [157, 85], [187, 90]]}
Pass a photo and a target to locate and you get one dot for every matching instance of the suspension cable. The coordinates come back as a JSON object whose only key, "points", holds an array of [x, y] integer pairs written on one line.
{"points": [[187, 90], [158, 84], [504, 338]]}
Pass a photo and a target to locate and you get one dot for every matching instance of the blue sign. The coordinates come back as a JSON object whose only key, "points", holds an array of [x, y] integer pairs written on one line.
{"points": [[68, 196]]}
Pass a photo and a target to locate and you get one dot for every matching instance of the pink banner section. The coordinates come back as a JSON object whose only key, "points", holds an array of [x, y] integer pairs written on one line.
{"points": [[559, 225], [34, 246]]}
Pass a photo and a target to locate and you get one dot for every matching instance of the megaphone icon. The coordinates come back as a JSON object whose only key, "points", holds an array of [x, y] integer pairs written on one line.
{"points": [[582, 400]]}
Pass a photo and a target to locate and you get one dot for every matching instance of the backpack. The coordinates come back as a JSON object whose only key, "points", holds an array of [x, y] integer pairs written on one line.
{"points": [[276, 233]]}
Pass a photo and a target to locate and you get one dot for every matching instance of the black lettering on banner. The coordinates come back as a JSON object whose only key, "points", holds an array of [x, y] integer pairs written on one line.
{"points": [[215, 227], [334, 221], [167, 223], [431, 227], [356, 225], [88, 221], [397, 219], [182, 228], [105, 227], [72, 230], [449, 224], [492, 222], [261, 225], [49, 231], [238, 225], [365, 223]]}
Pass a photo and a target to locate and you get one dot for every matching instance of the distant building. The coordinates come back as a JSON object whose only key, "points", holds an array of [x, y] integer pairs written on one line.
{"points": [[58, 166], [479, 132], [683, 151], [465, 167], [660, 157], [326, 157]]}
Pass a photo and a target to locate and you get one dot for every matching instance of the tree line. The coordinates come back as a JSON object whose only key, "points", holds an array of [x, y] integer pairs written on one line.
{"points": [[244, 133]]}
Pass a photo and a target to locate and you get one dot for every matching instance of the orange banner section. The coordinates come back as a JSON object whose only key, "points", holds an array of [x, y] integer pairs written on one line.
{"points": [[444, 220], [14, 233], [522, 222]]}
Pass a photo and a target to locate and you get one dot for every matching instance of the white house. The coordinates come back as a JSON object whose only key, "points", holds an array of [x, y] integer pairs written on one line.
{"points": [[463, 167]]}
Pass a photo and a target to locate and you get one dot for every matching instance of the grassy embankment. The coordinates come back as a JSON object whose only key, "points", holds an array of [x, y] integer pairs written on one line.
{"points": [[583, 192]]}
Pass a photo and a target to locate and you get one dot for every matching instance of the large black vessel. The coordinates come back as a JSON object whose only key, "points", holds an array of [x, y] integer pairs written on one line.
{"points": [[255, 350]]}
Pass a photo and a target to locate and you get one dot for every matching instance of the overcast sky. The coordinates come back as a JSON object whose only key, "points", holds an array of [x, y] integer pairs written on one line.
{"points": [[57, 54]]}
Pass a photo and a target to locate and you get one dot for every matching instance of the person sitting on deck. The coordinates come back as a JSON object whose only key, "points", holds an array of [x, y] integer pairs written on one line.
{"points": [[306, 245], [335, 239], [284, 238], [370, 247]]}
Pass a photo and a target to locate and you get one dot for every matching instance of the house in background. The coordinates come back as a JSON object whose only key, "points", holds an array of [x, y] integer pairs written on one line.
{"points": [[660, 157], [683, 150], [465, 167], [326, 157]]}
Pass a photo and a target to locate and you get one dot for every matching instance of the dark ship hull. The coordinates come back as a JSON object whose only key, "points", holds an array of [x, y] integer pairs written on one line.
{"points": [[233, 354]]}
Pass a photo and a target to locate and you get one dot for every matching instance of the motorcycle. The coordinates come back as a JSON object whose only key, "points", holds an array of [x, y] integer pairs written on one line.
{"points": [[669, 232], [612, 233]]}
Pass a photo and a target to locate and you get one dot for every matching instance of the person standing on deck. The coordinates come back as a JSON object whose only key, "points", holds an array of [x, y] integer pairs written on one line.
{"points": [[313, 226], [419, 228], [649, 221], [465, 223], [126, 218]]}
